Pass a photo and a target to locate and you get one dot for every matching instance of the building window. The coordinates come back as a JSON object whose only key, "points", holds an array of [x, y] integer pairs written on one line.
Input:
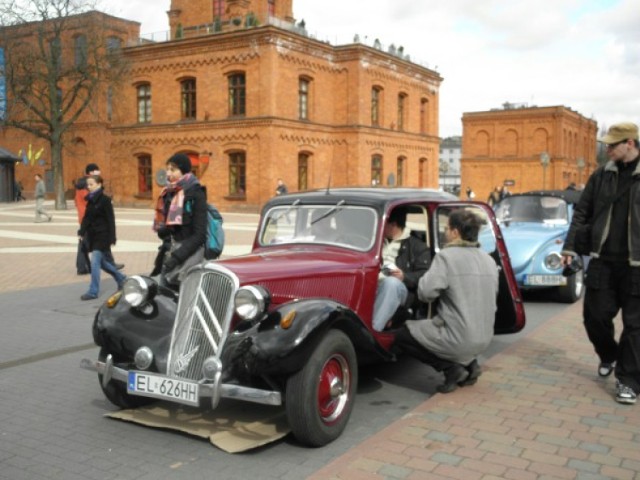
{"points": [[80, 51], [424, 111], [56, 53], [114, 44], [303, 98], [144, 176], [271, 5], [188, 98], [375, 106], [401, 103], [376, 170], [303, 171], [400, 171], [144, 103], [237, 174], [237, 94], [109, 103], [218, 8]]}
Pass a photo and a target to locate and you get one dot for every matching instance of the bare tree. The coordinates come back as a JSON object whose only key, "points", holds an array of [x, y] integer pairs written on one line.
{"points": [[57, 58]]}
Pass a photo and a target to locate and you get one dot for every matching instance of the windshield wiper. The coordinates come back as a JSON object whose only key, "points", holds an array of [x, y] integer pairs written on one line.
{"points": [[282, 214], [329, 212]]}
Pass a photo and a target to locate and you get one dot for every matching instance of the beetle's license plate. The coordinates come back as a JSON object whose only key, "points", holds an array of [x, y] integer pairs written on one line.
{"points": [[164, 388], [551, 280]]}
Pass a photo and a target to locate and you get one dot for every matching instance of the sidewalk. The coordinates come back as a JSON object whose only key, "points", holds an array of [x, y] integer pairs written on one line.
{"points": [[538, 411]]}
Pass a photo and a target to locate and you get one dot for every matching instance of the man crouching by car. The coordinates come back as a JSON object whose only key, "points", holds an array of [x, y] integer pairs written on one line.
{"points": [[464, 279]]}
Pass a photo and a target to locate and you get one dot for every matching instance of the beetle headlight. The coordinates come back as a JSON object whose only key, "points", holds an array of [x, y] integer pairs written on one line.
{"points": [[251, 301], [553, 261], [138, 290]]}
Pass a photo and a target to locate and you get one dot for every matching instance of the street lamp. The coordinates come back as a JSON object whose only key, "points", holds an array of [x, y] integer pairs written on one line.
{"points": [[544, 160], [581, 165]]}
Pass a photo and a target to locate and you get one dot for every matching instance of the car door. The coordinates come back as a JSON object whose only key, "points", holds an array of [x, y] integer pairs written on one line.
{"points": [[510, 315]]}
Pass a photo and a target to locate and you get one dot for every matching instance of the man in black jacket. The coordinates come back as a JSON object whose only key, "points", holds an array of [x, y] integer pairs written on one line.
{"points": [[405, 259], [610, 204]]}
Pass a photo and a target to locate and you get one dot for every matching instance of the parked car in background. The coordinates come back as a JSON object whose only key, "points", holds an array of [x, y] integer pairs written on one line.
{"points": [[287, 324], [535, 225]]}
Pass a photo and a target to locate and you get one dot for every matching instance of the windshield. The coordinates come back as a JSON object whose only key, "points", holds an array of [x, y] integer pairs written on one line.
{"points": [[536, 209], [346, 226]]}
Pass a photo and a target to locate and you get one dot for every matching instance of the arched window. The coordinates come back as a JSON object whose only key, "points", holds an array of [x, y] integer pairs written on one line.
{"points": [[144, 175], [424, 112], [304, 86], [400, 171], [376, 99], [188, 98], [376, 170], [303, 171], [402, 101], [144, 102], [237, 94], [80, 51], [237, 174]]}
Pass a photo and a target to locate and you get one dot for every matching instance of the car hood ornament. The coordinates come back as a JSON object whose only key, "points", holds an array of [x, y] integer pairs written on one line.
{"points": [[183, 360]]}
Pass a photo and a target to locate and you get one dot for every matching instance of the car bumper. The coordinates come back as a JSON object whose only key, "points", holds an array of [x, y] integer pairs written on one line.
{"points": [[213, 390]]}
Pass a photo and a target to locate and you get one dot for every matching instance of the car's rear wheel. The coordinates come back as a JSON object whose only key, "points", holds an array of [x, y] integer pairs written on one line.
{"points": [[319, 397], [116, 392], [572, 291]]}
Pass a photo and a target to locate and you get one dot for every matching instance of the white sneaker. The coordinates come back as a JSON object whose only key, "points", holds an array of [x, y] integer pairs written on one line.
{"points": [[625, 394], [605, 369]]}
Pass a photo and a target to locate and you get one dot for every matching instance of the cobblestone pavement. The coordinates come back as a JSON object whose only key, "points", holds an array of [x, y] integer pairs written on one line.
{"points": [[539, 410]]}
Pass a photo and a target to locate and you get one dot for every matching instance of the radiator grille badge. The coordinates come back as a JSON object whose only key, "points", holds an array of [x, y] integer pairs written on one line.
{"points": [[182, 363]]}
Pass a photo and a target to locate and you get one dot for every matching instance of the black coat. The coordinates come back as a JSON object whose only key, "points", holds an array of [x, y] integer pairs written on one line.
{"points": [[99, 223], [192, 234]]}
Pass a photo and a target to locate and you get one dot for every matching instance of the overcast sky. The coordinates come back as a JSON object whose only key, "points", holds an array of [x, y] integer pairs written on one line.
{"points": [[583, 54]]}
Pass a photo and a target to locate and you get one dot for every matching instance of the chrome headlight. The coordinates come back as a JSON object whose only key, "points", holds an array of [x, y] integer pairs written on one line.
{"points": [[251, 301], [553, 261], [138, 290]]}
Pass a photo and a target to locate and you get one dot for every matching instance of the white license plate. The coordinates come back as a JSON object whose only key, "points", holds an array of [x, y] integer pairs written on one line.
{"points": [[164, 388], [546, 280]]}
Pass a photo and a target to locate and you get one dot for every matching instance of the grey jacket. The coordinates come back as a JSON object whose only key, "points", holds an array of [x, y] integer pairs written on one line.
{"points": [[465, 281], [41, 190], [599, 191]]}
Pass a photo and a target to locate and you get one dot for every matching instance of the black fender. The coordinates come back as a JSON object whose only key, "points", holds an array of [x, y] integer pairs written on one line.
{"points": [[122, 329], [269, 349]]}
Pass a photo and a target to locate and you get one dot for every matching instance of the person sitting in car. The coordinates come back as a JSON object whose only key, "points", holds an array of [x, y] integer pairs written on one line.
{"points": [[405, 258]]}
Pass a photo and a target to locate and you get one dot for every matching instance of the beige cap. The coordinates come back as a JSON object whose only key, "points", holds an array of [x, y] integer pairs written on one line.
{"points": [[620, 132]]}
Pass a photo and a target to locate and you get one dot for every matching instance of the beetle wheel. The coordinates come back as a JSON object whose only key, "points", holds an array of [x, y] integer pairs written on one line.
{"points": [[319, 397]]}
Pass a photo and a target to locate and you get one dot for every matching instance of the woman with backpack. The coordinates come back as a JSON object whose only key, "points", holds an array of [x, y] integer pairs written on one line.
{"points": [[180, 221]]}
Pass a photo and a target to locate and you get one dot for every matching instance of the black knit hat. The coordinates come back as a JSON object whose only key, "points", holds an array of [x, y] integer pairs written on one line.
{"points": [[181, 161], [90, 168]]}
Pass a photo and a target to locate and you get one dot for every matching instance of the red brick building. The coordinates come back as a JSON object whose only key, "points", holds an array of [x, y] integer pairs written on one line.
{"points": [[508, 146], [251, 98]]}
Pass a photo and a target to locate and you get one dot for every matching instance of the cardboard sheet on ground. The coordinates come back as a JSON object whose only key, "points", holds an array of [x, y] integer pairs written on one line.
{"points": [[233, 426]]}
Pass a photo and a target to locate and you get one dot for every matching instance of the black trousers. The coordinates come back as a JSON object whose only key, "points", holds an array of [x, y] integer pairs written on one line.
{"points": [[407, 344], [613, 287]]}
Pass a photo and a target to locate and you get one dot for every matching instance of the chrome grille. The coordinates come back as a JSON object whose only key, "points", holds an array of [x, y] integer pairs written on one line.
{"points": [[204, 312]]}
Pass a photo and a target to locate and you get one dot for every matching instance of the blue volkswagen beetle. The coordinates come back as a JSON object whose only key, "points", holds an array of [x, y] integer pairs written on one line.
{"points": [[534, 225]]}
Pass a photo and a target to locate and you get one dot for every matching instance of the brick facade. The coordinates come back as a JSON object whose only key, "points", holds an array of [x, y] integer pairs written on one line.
{"points": [[506, 145], [336, 138]]}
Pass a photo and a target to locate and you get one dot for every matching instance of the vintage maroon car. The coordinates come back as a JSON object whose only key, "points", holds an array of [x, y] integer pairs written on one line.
{"points": [[287, 324]]}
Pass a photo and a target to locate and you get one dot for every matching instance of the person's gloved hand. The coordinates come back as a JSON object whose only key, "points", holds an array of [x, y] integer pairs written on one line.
{"points": [[170, 263]]}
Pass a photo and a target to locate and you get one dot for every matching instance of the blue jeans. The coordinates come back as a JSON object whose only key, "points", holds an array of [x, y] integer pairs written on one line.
{"points": [[390, 295], [99, 261]]}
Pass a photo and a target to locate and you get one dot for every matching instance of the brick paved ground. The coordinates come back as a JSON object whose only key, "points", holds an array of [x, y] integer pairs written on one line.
{"points": [[538, 412]]}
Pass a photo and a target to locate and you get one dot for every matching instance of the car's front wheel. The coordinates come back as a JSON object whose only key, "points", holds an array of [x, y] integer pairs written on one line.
{"points": [[572, 291], [116, 392], [319, 397]]}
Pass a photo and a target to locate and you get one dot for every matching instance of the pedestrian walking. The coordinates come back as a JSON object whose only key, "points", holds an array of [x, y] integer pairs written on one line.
{"points": [[41, 191], [83, 264], [607, 221], [281, 188], [98, 228], [180, 221]]}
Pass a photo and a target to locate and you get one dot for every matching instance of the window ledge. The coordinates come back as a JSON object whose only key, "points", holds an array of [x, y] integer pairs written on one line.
{"points": [[236, 197]]}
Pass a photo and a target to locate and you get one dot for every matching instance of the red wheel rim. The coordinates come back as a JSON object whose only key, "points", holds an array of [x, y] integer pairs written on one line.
{"points": [[333, 388]]}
